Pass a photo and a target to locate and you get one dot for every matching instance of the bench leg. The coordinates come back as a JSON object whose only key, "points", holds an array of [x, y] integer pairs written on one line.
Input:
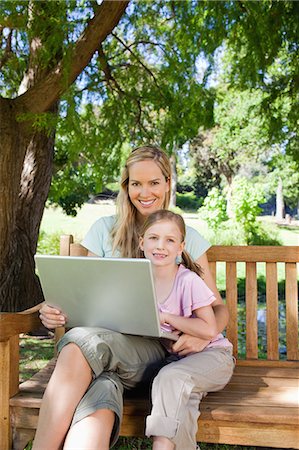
{"points": [[5, 433]]}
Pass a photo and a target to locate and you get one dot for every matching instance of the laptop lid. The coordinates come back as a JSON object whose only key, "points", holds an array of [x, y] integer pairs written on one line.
{"points": [[113, 293]]}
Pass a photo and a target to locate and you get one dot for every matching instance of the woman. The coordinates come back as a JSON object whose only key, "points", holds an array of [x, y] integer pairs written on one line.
{"points": [[97, 401]]}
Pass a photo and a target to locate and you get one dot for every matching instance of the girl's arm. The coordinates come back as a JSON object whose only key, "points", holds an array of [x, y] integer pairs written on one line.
{"points": [[203, 325]]}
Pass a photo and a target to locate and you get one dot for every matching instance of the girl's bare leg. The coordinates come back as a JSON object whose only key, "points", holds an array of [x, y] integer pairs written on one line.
{"points": [[70, 379], [162, 443], [92, 432]]}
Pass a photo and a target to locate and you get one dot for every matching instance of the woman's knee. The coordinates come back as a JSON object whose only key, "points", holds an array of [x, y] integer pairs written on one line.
{"points": [[72, 359]]}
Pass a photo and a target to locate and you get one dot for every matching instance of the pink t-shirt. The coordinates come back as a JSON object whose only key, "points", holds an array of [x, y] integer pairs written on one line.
{"points": [[188, 293]]}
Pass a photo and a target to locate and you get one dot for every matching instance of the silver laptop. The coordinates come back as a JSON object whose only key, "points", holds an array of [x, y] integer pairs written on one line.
{"points": [[113, 293]]}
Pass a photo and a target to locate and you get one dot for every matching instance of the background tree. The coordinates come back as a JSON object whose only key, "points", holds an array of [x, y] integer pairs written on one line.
{"points": [[239, 137], [135, 83]]}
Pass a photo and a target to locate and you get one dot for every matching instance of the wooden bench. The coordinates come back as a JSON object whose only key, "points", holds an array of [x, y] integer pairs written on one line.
{"points": [[259, 406]]}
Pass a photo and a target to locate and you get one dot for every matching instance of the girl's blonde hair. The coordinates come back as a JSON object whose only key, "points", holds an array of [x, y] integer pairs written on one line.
{"points": [[125, 233], [169, 216]]}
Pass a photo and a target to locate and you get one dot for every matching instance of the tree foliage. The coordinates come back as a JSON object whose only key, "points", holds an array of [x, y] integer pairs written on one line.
{"points": [[103, 76]]}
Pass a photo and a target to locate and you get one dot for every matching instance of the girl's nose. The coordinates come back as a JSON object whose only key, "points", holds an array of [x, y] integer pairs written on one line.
{"points": [[160, 244]]}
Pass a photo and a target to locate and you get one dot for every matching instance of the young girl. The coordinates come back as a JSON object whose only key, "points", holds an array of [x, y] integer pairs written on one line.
{"points": [[181, 293], [184, 301]]}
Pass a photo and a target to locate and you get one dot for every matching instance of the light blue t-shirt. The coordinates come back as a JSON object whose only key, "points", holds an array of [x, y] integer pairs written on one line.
{"points": [[98, 239]]}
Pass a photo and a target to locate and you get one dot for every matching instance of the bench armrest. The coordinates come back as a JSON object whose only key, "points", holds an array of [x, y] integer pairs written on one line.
{"points": [[12, 323]]}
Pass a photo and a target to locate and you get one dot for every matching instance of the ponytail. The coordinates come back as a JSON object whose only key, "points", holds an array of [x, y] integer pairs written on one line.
{"points": [[188, 262]]}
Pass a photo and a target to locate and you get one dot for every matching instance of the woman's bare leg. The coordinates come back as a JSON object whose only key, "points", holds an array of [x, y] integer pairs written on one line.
{"points": [[92, 432], [162, 443], [70, 379]]}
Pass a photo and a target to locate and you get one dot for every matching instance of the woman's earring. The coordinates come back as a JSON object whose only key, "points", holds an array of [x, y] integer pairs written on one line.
{"points": [[178, 259]]}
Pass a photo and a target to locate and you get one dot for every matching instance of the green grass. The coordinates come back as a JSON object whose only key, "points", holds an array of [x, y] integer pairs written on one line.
{"points": [[55, 221]]}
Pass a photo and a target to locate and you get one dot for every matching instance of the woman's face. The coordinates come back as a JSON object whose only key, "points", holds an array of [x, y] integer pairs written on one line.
{"points": [[147, 187]]}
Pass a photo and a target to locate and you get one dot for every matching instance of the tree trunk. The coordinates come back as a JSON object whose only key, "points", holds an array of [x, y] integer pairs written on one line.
{"points": [[174, 179], [25, 177], [26, 153], [229, 193], [280, 210]]}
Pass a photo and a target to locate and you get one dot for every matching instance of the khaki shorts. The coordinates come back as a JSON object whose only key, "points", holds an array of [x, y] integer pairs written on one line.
{"points": [[117, 361]]}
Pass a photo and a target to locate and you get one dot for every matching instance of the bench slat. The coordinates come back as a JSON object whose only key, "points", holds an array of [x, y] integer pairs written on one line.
{"points": [[251, 311], [272, 311], [292, 311], [232, 302]]}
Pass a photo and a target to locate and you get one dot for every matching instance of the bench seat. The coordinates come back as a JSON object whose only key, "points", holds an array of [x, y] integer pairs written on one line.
{"points": [[258, 404]]}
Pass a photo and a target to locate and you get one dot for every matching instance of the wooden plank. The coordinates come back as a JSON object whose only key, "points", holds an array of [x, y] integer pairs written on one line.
{"points": [[77, 250], [251, 311], [258, 398], [234, 433], [237, 413], [271, 371], [253, 253], [267, 363], [213, 270], [292, 311], [5, 437], [12, 324], [272, 311], [232, 303], [14, 362], [65, 241]]}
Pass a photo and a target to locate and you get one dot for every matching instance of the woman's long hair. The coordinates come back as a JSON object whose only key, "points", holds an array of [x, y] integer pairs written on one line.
{"points": [[169, 216], [125, 233]]}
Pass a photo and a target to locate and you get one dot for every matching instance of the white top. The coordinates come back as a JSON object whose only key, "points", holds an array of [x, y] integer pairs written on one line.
{"points": [[98, 239]]}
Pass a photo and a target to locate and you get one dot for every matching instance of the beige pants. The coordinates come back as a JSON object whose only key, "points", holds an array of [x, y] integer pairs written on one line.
{"points": [[178, 389]]}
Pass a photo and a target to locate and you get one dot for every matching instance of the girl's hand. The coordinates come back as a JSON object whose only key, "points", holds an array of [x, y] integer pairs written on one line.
{"points": [[187, 344], [51, 317], [163, 318]]}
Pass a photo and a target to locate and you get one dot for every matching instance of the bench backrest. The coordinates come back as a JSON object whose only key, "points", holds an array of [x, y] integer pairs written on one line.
{"points": [[263, 325]]}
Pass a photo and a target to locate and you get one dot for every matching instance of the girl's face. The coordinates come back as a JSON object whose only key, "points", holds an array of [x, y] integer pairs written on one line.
{"points": [[147, 187], [162, 243]]}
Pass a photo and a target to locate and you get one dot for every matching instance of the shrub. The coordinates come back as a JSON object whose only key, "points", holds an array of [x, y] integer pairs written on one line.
{"points": [[213, 210], [188, 201], [48, 243]]}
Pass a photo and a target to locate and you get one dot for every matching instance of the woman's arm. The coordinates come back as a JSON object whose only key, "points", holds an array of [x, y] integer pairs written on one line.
{"points": [[186, 343], [203, 325], [220, 309]]}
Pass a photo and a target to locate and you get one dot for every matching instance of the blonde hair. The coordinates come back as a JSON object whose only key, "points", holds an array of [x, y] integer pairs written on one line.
{"points": [[169, 216], [125, 235]]}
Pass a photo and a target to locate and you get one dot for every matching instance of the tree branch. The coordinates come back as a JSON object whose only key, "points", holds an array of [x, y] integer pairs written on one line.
{"points": [[138, 59], [49, 89]]}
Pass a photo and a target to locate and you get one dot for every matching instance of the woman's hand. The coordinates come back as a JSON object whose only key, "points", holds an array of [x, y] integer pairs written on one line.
{"points": [[51, 317], [187, 344]]}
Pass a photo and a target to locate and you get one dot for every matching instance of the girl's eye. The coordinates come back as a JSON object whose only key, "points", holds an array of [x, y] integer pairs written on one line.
{"points": [[134, 183], [155, 183], [170, 240]]}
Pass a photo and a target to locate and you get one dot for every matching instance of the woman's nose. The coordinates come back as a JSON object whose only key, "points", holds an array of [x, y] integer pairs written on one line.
{"points": [[144, 192]]}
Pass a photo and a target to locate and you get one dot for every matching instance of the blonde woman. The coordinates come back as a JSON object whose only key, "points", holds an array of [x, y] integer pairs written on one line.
{"points": [[82, 405]]}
